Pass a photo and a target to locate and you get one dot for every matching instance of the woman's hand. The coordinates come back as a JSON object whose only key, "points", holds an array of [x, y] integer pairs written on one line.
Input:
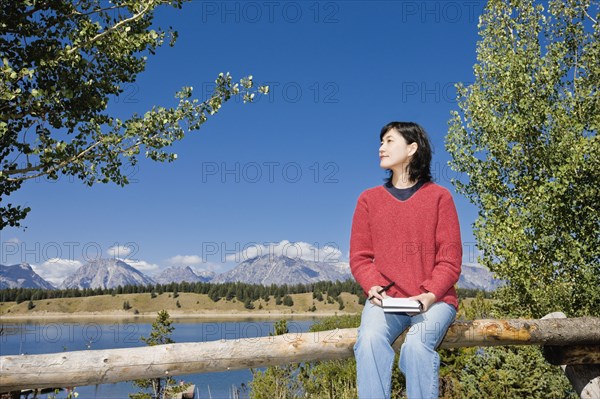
{"points": [[427, 299], [374, 296]]}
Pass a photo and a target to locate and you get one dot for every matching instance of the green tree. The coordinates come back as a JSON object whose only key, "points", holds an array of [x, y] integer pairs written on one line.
{"points": [[288, 301], [230, 294], [318, 296], [159, 335], [513, 372], [526, 139], [276, 382], [62, 63], [21, 298], [248, 304], [498, 372], [38, 294], [213, 294]]}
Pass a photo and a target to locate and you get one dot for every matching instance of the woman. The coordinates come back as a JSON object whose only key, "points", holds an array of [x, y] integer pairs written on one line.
{"points": [[405, 236]]}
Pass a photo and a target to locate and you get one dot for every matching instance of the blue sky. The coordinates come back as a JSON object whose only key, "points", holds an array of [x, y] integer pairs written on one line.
{"points": [[286, 169]]}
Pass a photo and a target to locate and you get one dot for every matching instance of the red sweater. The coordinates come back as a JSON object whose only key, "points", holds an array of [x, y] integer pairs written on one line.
{"points": [[415, 243]]}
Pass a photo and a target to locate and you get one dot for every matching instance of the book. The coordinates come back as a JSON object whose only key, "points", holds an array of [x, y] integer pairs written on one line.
{"points": [[404, 305]]}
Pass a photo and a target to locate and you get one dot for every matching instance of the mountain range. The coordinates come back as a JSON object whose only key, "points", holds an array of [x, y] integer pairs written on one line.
{"points": [[266, 270], [474, 276], [106, 273], [22, 276], [180, 274], [279, 270]]}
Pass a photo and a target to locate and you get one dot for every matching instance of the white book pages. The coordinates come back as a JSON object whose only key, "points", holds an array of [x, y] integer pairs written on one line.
{"points": [[406, 305]]}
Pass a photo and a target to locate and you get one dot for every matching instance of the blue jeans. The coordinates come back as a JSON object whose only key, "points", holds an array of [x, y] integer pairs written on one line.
{"points": [[419, 361]]}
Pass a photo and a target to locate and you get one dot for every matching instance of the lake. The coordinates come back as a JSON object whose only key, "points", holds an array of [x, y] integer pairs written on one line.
{"points": [[53, 336]]}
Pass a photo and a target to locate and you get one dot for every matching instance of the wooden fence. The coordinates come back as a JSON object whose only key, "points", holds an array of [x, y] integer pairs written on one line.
{"points": [[571, 341]]}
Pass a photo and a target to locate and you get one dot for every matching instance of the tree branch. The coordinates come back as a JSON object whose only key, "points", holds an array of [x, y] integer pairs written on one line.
{"points": [[81, 155], [590, 17], [83, 14], [52, 169], [113, 28]]}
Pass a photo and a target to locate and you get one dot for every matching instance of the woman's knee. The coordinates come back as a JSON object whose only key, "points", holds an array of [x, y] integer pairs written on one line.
{"points": [[416, 346], [368, 336], [424, 336]]}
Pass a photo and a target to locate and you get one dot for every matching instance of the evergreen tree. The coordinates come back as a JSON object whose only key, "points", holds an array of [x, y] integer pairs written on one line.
{"points": [[318, 296], [159, 335], [340, 301], [288, 301], [248, 304], [230, 294], [21, 297], [213, 294], [512, 372]]}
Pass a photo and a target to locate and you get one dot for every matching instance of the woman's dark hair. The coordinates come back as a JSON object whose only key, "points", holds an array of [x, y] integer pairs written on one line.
{"points": [[419, 167]]}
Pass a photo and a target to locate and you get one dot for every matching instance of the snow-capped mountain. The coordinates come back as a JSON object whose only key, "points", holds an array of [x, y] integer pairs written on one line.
{"points": [[270, 269], [477, 277], [106, 273], [179, 274], [266, 270], [22, 276], [205, 275]]}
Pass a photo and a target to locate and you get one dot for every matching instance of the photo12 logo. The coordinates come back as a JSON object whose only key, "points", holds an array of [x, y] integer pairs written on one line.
{"points": [[37, 252], [253, 332], [129, 93], [429, 92], [253, 12], [239, 252], [72, 333], [441, 11], [269, 172], [317, 92], [443, 172]]}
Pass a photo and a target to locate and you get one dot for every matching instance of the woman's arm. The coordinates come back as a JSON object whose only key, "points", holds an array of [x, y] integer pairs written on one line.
{"points": [[448, 258], [361, 249]]}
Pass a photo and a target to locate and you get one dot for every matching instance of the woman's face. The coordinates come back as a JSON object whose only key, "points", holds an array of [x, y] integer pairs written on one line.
{"points": [[394, 152]]}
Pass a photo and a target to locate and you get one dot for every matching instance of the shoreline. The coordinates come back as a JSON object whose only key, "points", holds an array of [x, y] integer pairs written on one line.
{"points": [[149, 316]]}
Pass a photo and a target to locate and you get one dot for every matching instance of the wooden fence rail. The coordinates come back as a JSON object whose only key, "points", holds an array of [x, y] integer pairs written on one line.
{"points": [[91, 367]]}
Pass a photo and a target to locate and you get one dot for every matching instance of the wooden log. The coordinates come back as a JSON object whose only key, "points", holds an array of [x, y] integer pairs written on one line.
{"points": [[581, 354], [585, 378], [93, 367], [491, 332]]}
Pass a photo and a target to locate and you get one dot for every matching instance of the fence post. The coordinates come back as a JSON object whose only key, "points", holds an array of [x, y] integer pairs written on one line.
{"points": [[585, 378]]}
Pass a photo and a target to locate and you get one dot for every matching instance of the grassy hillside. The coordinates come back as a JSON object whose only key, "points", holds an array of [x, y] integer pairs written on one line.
{"points": [[189, 303]]}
